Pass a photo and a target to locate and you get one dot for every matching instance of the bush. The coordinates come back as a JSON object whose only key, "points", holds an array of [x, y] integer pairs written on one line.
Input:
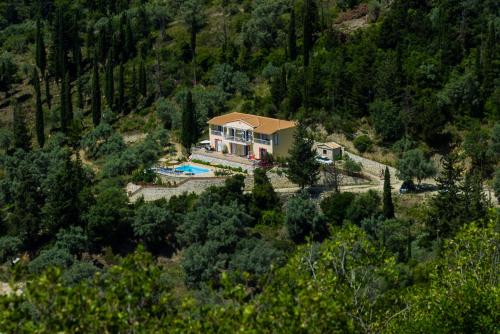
{"points": [[53, 257], [386, 119], [153, 225], [363, 143], [9, 247], [351, 166], [78, 272], [102, 141], [365, 205], [254, 256], [73, 239], [496, 184], [303, 220], [335, 206], [271, 218]]}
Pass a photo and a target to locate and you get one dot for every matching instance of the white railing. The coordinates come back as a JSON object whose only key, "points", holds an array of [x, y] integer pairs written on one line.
{"points": [[238, 139], [216, 132], [262, 141]]}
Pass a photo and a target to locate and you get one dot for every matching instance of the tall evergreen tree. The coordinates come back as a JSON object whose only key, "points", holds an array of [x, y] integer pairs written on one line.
{"points": [[110, 83], [448, 203], [21, 135], [303, 169], [68, 100], [308, 31], [142, 79], [96, 94], [189, 134], [193, 15], [79, 83], [292, 37], [388, 205], [133, 89], [48, 96], [39, 119], [278, 88], [121, 89], [41, 54], [294, 94], [129, 40], [63, 105], [59, 52], [63, 205], [475, 204]]}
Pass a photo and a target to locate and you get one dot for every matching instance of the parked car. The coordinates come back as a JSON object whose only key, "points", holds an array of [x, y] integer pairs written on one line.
{"points": [[407, 187], [423, 187], [323, 160]]}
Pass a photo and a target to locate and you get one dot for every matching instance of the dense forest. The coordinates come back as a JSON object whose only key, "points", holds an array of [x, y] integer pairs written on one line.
{"points": [[414, 84]]}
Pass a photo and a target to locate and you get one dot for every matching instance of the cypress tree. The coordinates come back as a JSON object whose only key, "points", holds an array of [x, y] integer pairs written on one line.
{"points": [[133, 89], [121, 89], [79, 84], [21, 135], [48, 96], [294, 95], [292, 37], [129, 46], [110, 84], [96, 94], [41, 54], [39, 121], [58, 44], [142, 79], [189, 133], [68, 99], [388, 205], [278, 88], [63, 105], [308, 30]]}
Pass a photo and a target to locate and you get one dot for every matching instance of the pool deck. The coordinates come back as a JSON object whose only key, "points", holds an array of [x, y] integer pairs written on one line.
{"points": [[210, 173]]}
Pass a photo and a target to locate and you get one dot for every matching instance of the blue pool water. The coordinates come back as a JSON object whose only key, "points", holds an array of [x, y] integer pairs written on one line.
{"points": [[192, 169]]}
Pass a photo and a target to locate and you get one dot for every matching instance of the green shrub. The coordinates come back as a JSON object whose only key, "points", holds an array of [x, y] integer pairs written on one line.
{"points": [[9, 247], [53, 257], [363, 143], [78, 272], [335, 206]]}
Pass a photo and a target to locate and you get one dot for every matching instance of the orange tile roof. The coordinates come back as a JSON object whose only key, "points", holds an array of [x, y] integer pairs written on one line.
{"points": [[260, 124]]}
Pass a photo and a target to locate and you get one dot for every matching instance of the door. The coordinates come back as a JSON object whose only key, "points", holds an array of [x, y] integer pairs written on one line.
{"points": [[262, 153], [218, 145]]}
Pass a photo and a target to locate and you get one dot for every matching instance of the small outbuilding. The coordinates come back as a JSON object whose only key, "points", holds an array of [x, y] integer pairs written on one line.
{"points": [[329, 150]]}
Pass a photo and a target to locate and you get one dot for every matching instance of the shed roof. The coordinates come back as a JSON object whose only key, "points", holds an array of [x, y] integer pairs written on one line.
{"points": [[331, 145], [260, 124]]}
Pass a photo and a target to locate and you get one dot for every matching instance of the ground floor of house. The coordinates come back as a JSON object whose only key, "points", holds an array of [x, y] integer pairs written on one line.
{"points": [[248, 150]]}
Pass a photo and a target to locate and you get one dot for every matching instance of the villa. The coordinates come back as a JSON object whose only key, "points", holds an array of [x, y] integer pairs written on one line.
{"points": [[251, 136]]}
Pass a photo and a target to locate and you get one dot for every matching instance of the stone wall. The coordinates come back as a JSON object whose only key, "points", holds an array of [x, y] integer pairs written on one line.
{"points": [[195, 185], [218, 161]]}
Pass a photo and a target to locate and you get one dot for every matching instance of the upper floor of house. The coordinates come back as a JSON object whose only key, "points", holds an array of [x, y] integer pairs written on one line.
{"points": [[247, 129]]}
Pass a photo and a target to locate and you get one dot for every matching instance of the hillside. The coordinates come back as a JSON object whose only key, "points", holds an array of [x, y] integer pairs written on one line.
{"points": [[370, 206]]}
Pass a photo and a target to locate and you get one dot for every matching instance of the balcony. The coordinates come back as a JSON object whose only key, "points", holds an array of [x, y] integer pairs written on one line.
{"points": [[238, 139], [262, 141], [216, 132]]}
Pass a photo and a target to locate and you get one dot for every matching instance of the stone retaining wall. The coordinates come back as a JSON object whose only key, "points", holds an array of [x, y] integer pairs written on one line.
{"points": [[153, 193], [223, 162]]}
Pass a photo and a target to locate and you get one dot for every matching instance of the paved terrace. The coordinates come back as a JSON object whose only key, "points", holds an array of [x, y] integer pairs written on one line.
{"points": [[217, 158]]}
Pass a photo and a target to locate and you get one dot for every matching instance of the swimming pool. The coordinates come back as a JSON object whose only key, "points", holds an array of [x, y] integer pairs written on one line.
{"points": [[192, 169]]}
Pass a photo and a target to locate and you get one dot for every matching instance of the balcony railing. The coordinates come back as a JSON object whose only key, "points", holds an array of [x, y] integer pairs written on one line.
{"points": [[238, 139], [262, 141], [216, 132]]}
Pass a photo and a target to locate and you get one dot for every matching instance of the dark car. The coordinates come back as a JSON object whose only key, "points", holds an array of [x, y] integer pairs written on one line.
{"points": [[426, 187], [407, 187]]}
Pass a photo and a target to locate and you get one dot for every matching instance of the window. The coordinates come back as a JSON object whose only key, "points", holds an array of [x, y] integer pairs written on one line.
{"points": [[324, 152], [276, 139]]}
